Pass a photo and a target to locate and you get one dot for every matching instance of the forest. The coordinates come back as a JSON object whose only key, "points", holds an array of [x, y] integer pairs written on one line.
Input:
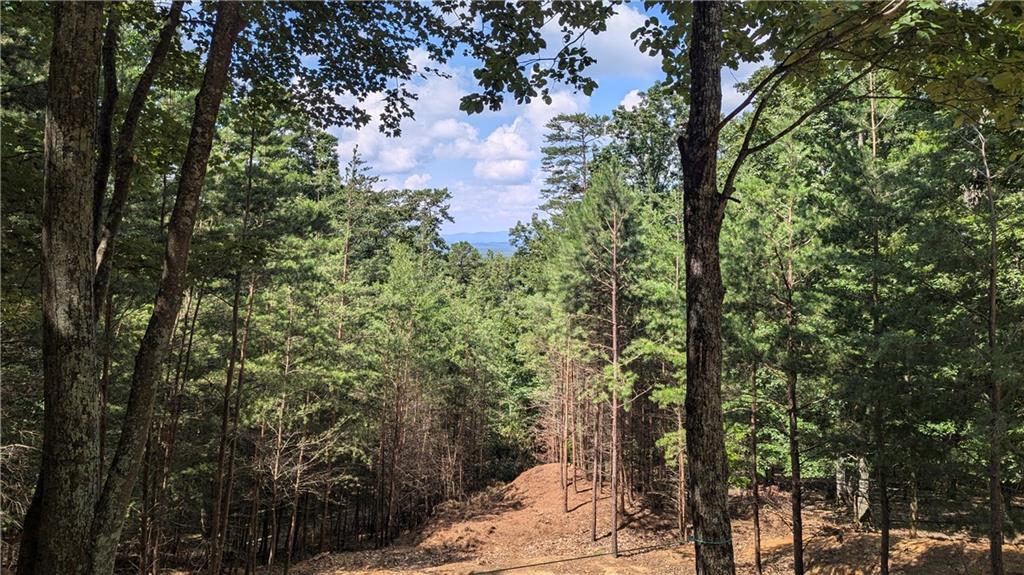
{"points": [[784, 335]]}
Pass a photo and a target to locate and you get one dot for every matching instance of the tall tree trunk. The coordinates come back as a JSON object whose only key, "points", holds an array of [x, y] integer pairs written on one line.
{"points": [[275, 474], [754, 493], [708, 473], [878, 417], [681, 517], [615, 474], [233, 434], [56, 536], [217, 511], [108, 352], [184, 363], [682, 512], [104, 128], [113, 502], [796, 490], [146, 509], [563, 442], [883, 492], [124, 156], [220, 509], [250, 556], [290, 545], [617, 380], [995, 462], [595, 485]]}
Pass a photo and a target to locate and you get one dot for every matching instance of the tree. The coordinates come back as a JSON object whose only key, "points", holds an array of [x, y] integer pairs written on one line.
{"points": [[318, 28], [62, 508], [571, 140], [805, 43], [601, 249]]}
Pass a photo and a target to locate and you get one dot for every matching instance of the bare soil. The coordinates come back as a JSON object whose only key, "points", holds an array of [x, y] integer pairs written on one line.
{"points": [[521, 528]]}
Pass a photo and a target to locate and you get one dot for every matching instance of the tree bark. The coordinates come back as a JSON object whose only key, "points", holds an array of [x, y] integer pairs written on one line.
{"points": [[563, 430], [108, 352], [878, 417], [883, 494], [184, 362], [681, 516], [124, 157], [617, 379], [995, 462], [113, 502], [250, 556], [704, 211], [796, 490], [104, 128], [66, 491], [595, 486], [755, 495], [275, 474], [233, 434], [220, 510]]}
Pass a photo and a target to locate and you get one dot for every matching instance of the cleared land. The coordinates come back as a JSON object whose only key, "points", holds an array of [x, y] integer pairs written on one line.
{"points": [[521, 528]]}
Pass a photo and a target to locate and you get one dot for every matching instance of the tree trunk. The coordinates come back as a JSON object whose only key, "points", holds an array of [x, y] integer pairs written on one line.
{"points": [[681, 517], [755, 495], [250, 556], [276, 469], [108, 352], [595, 486], [289, 546], [883, 499], [615, 475], [861, 498], [188, 332], [220, 508], [704, 209], [913, 504], [124, 156], [878, 422], [56, 537], [796, 490], [113, 502], [995, 462], [617, 380], [573, 432], [104, 128], [563, 431], [233, 434], [796, 493], [217, 511], [146, 509]]}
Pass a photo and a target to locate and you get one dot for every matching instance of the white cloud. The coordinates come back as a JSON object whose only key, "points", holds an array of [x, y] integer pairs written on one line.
{"points": [[416, 181], [434, 118], [614, 51], [505, 142], [395, 159], [450, 129], [631, 100], [562, 102], [508, 171]]}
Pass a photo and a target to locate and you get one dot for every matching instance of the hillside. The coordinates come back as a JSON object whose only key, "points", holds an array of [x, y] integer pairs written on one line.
{"points": [[521, 528], [497, 242]]}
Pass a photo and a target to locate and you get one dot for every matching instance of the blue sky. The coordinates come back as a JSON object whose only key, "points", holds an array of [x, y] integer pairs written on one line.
{"points": [[490, 162]]}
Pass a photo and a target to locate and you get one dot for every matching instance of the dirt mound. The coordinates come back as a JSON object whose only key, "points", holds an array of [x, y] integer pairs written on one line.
{"points": [[522, 527]]}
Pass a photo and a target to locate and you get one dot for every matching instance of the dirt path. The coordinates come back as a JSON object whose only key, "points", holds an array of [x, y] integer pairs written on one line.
{"points": [[522, 525]]}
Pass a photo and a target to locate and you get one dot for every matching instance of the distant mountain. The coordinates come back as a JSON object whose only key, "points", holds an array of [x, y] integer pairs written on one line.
{"points": [[483, 241]]}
